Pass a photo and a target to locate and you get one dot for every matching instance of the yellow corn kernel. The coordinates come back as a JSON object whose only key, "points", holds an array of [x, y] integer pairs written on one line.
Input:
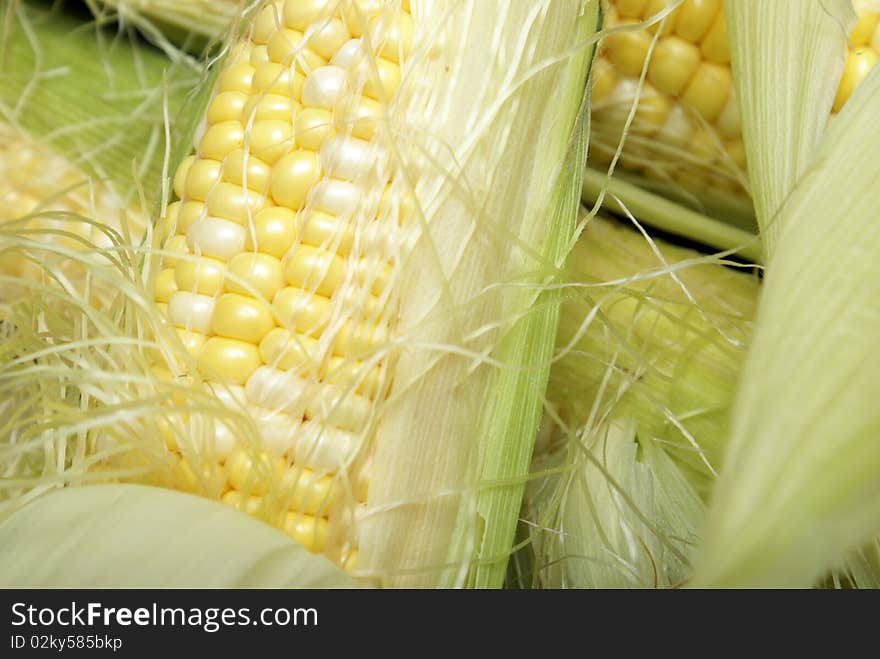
{"points": [[305, 490], [603, 80], [191, 311], [264, 107], [322, 230], [394, 34], [226, 106], [359, 117], [673, 65], [286, 46], [653, 8], [328, 38], [269, 139], [230, 360], [273, 78], [695, 17], [237, 78], [357, 15], [268, 20], [220, 139], [737, 152], [704, 144], [346, 373], [313, 126], [728, 121], [247, 171], [627, 50], [201, 177], [293, 176], [305, 312], [336, 407], [286, 350], [314, 269], [360, 340], [307, 530], [167, 226], [232, 202], [180, 176], [176, 245], [709, 90], [165, 285], [192, 341], [863, 32], [259, 55], [715, 46], [858, 65], [255, 272], [324, 87], [302, 14], [200, 275], [652, 111], [241, 317], [273, 231], [188, 213], [631, 8]]}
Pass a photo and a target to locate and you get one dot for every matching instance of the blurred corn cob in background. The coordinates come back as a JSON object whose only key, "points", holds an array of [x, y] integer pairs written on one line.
{"points": [[685, 139], [46, 199]]}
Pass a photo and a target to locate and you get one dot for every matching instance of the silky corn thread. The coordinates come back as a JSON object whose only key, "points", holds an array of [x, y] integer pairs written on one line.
{"points": [[280, 257], [687, 125]]}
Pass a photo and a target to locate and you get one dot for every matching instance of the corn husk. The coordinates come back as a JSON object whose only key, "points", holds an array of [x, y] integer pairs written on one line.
{"points": [[160, 537], [804, 57], [652, 338], [800, 484]]}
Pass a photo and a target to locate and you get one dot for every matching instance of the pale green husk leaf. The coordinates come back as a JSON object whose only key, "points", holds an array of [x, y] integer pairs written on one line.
{"points": [[801, 482], [787, 57], [134, 536], [626, 516]]}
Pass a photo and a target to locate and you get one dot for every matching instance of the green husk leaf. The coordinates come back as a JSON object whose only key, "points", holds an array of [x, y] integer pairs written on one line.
{"points": [[626, 198], [787, 57], [801, 482], [511, 425], [133, 536], [626, 516]]}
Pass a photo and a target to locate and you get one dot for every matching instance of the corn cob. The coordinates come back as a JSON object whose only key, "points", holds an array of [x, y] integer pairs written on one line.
{"points": [[283, 255], [50, 199], [280, 290], [687, 129]]}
